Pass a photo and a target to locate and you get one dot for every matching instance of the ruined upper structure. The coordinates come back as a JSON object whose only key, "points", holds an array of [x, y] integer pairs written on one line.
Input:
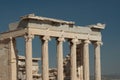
{"points": [[91, 32], [79, 38]]}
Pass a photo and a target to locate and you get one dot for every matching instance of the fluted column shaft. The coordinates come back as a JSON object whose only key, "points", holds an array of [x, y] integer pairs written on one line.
{"points": [[60, 58], [86, 74], [73, 59], [97, 63], [45, 63], [28, 56], [13, 64]]}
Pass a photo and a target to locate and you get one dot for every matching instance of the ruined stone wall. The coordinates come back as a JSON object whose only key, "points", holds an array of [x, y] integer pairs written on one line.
{"points": [[4, 61]]}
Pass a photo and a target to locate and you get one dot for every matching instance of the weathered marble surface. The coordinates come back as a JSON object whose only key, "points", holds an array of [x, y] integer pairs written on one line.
{"points": [[4, 61]]}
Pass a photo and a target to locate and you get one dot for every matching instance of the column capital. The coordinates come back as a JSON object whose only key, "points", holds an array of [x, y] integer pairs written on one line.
{"points": [[79, 42], [87, 41], [29, 36], [98, 43], [74, 40], [11, 38], [46, 38], [60, 39]]}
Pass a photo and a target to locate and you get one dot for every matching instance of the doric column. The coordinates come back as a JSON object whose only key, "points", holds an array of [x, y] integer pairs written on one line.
{"points": [[86, 60], [73, 59], [13, 64], [60, 58], [45, 63], [28, 56], [97, 64]]}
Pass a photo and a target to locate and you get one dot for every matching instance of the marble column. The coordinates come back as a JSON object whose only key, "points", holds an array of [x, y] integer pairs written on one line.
{"points": [[28, 56], [73, 59], [60, 58], [13, 64], [97, 64], [45, 63], [86, 74]]}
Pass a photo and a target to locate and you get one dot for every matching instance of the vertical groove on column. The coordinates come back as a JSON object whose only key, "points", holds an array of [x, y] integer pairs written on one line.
{"points": [[28, 57], [86, 60], [73, 59], [13, 60], [60, 59], [97, 65], [45, 63]]}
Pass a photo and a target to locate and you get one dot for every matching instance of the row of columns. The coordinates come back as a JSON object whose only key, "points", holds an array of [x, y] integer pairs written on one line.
{"points": [[45, 63]]}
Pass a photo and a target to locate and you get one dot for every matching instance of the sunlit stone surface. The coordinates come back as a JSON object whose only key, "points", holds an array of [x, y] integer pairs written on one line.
{"points": [[75, 66]]}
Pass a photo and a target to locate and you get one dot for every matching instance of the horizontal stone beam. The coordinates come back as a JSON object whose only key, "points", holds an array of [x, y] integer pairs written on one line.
{"points": [[68, 35], [15, 33], [52, 33]]}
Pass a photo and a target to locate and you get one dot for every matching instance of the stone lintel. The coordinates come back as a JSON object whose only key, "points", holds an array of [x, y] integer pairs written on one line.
{"points": [[52, 33], [15, 33]]}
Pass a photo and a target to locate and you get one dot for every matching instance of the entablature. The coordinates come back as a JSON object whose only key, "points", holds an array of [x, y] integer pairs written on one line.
{"points": [[36, 25]]}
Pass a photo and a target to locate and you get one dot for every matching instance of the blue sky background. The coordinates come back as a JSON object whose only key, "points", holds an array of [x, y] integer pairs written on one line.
{"points": [[83, 12]]}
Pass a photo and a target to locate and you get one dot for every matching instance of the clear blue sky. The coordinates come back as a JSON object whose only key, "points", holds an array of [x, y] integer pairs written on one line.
{"points": [[83, 12]]}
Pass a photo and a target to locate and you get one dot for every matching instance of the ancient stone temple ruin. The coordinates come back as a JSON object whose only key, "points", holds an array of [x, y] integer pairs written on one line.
{"points": [[75, 66]]}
